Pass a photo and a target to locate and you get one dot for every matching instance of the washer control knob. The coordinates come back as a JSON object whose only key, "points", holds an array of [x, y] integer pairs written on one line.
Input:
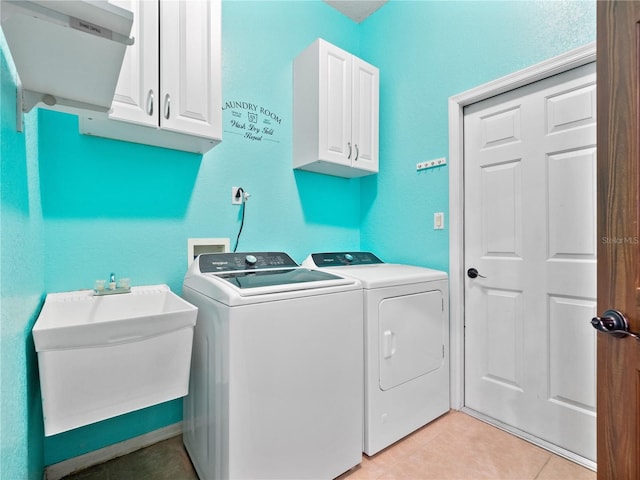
{"points": [[348, 257], [250, 259]]}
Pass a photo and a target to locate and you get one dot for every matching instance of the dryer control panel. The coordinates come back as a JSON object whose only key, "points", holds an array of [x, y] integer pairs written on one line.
{"points": [[343, 259]]}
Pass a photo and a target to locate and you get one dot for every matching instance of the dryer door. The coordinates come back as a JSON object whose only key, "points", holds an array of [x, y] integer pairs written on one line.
{"points": [[411, 335]]}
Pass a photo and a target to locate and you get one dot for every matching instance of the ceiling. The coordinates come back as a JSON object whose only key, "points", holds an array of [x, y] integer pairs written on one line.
{"points": [[356, 10]]}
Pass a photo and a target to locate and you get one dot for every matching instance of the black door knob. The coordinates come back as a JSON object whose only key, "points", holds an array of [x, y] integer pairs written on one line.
{"points": [[473, 273], [614, 323]]}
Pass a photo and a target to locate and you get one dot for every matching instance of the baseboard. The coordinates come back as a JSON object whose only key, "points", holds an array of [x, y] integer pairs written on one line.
{"points": [[66, 467]]}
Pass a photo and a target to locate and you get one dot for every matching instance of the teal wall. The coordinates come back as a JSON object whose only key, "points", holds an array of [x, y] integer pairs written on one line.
{"points": [[87, 206], [430, 51], [21, 287]]}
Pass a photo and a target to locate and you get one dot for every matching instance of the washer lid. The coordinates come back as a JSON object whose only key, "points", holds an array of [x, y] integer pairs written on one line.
{"points": [[269, 278], [259, 269], [244, 278]]}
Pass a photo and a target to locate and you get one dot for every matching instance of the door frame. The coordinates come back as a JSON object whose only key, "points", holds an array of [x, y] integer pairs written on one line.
{"points": [[556, 65]]}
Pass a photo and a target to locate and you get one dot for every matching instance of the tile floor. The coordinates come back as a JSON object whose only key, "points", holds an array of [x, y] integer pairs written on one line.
{"points": [[453, 447]]}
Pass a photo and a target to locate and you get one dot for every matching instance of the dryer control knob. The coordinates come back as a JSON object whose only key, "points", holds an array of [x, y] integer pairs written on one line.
{"points": [[348, 257], [250, 259]]}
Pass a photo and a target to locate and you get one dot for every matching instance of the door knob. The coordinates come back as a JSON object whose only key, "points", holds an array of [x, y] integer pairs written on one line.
{"points": [[473, 273], [614, 323]]}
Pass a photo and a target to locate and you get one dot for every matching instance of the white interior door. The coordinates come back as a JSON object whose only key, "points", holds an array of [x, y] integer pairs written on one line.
{"points": [[529, 175]]}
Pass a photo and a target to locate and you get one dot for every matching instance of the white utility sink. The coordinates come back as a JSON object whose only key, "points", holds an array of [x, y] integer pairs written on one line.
{"points": [[81, 319], [102, 356]]}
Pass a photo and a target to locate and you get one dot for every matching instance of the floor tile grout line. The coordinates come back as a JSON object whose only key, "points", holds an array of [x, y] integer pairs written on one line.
{"points": [[543, 467]]}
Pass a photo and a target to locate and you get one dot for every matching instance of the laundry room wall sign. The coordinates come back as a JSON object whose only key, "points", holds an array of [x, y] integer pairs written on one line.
{"points": [[251, 121]]}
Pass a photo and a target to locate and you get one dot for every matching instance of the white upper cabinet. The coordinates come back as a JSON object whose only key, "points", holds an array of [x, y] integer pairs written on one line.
{"points": [[138, 88], [169, 93], [335, 109], [364, 111], [190, 67]]}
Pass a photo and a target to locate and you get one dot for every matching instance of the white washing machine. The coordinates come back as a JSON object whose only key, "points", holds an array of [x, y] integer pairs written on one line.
{"points": [[406, 318], [276, 382]]}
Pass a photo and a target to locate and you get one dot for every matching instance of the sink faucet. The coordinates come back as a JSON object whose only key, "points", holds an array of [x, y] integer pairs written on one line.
{"points": [[113, 287]]}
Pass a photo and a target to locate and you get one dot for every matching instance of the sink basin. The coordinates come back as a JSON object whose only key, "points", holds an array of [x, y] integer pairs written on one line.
{"points": [[80, 319], [102, 356]]}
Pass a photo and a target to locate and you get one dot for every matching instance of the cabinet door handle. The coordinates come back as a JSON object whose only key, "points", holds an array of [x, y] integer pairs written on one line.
{"points": [[150, 103], [357, 153], [349, 156], [167, 106]]}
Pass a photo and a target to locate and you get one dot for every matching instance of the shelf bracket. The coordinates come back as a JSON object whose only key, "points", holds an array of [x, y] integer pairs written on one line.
{"points": [[27, 99]]}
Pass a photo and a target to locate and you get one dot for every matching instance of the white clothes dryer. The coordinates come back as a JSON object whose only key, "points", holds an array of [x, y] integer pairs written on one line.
{"points": [[276, 375], [406, 347]]}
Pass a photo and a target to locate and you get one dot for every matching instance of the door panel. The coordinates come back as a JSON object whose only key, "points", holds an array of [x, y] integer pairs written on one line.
{"points": [[572, 227], [571, 109], [530, 231], [501, 128], [568, 384], [501, 208], [501, 357]]}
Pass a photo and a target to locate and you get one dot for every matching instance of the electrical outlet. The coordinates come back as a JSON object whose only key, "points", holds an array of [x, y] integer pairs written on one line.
{"points": [[236, 195]]}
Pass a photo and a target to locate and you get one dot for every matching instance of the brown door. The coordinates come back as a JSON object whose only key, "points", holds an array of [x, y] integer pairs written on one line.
{"points": [[618, 73]]}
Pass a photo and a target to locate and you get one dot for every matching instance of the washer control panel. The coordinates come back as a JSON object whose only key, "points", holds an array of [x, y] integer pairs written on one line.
{"points": [[343, 259], [225, 262]]}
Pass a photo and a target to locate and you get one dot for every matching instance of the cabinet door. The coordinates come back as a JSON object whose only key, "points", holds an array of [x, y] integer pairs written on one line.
{"points": [[334, 113], [364, 128], [190, 64], [137, 94]]}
